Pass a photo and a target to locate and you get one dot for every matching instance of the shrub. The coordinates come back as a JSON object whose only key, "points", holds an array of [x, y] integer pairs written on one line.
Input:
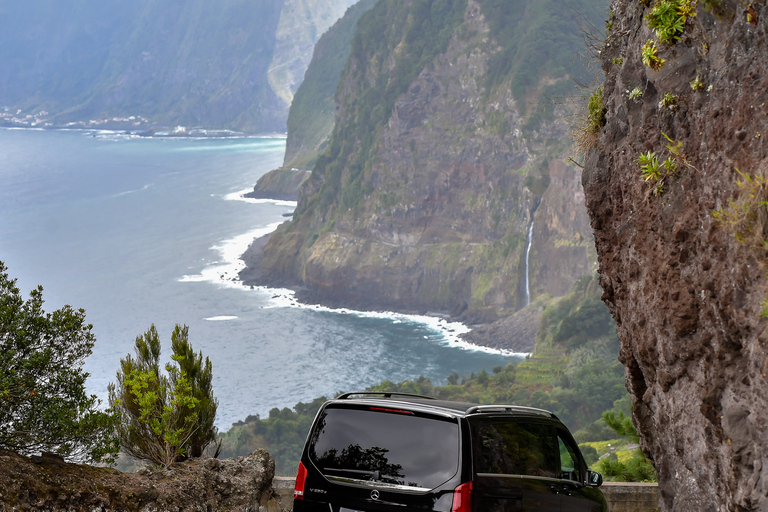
{"points": [[43, 403], [164, 418], [668, 18], [589, 123]]}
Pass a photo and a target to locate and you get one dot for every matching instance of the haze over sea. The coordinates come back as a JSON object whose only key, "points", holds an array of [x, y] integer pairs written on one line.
{"points": [[139, 231]]}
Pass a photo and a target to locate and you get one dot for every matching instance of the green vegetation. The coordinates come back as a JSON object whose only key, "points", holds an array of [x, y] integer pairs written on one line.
{"points": [[636, 94], [633, 466], [696, 84], [164, 419], [43, 403], [391, 52], [573, 372], [655, 174], [311, 117], [668, 18], [537, 40], [590, 123], [747, 217], [650, 52], [669, 100]]}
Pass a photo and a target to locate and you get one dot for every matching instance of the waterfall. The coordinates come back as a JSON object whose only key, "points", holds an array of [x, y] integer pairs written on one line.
{"points": [[527, 267]]}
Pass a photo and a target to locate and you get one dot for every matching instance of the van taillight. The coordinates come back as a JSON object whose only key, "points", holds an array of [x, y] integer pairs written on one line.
{"points": [[462, 498], [301, 478]]}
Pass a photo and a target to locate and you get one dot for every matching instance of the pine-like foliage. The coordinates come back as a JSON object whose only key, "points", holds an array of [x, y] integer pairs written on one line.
{"points": [[43, 403], [164, 417]]}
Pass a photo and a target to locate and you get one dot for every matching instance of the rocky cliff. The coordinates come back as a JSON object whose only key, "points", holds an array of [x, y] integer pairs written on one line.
{"points": [[681, 254], [234, 64], [312, 112], [444, 151], [48, 483]]}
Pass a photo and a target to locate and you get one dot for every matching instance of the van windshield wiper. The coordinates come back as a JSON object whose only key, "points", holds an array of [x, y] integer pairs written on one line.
{"points": [[374, 476]]}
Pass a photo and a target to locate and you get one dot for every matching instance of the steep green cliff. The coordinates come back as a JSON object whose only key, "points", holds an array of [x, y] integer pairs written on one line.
{"points": [[443, 149], [228, 64], [310, 119]]}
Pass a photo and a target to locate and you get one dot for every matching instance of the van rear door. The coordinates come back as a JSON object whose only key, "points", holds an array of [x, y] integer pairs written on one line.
{"points": [[515, 465]]}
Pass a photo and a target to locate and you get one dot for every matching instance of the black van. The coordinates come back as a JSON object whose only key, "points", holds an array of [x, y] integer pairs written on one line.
{"points": [[381, 452]]}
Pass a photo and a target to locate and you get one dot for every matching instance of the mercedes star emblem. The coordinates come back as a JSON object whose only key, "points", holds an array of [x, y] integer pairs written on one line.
{"points": [[374, 494]]}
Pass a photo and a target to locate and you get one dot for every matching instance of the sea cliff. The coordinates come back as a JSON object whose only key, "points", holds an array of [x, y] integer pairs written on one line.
{"points": [[443, 155], [682, 255]]}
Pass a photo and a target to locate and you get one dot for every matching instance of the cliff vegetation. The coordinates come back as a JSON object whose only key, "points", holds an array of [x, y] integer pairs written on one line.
{"points": [[444, 151]]}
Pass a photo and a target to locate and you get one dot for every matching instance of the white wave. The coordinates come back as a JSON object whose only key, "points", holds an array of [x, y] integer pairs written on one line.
{"points": [[240, 196], [258, 146], [224, 272], [221, 318], [446, 331], [145, 187]]}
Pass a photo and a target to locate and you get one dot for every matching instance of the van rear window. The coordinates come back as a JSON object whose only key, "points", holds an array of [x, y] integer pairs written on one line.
{"points": [[385, 446]]}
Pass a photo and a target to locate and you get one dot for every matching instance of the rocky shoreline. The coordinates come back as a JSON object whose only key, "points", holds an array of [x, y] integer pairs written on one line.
{"points": [[516, 333]]}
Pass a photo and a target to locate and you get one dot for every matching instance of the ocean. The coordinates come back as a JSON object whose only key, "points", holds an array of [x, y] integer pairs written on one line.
{"points": [[141, 231]]}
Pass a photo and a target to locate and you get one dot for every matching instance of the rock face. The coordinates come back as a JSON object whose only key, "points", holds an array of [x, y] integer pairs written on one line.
{"points": [[234, 64], [430, 210], [279, 184], [685, 293], [301, 24], [48, 483]]}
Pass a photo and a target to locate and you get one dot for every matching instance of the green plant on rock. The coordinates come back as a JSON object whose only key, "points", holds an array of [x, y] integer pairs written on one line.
{"points": [[618, 61], [751, 15], [747, 217], [696, 84], [656, 173], [650, 52], [636, 467], [716, 7], [589, 124], [668, 18], [636, 94], [669, 100]]}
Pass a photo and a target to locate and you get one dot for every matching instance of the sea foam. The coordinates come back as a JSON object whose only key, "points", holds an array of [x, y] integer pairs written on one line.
{"points": [[225, 273]]}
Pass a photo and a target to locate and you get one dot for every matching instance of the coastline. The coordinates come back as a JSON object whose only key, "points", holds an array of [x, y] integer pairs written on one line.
{"points": [[518, 332], [149, 132]]}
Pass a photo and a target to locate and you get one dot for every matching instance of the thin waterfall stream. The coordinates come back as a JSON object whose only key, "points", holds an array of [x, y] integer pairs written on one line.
{"points": [[527, 266]]}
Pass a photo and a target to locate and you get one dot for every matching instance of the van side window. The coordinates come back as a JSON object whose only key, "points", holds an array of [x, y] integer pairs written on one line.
{"points": [[569, 462], [515, 449]]}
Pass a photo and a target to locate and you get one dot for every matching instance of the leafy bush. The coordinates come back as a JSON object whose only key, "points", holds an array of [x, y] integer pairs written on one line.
{"points": [[164, 418], [636, 468], [668, 18], [43, 403]]}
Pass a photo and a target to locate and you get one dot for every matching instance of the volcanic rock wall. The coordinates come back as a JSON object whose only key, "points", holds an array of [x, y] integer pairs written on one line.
{"points": [[686, 294]]}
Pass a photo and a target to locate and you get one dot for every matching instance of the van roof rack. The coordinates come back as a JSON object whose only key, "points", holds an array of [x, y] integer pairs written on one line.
{"points": [[479, 409], [385, 394]]}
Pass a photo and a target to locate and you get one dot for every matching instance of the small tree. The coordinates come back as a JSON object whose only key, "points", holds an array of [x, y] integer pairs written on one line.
{"points": [[635, 469], [164, 418], [43, 403]]}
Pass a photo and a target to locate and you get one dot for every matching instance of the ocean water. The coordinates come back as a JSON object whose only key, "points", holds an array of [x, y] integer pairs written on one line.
{"points": [[139, 231]]}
